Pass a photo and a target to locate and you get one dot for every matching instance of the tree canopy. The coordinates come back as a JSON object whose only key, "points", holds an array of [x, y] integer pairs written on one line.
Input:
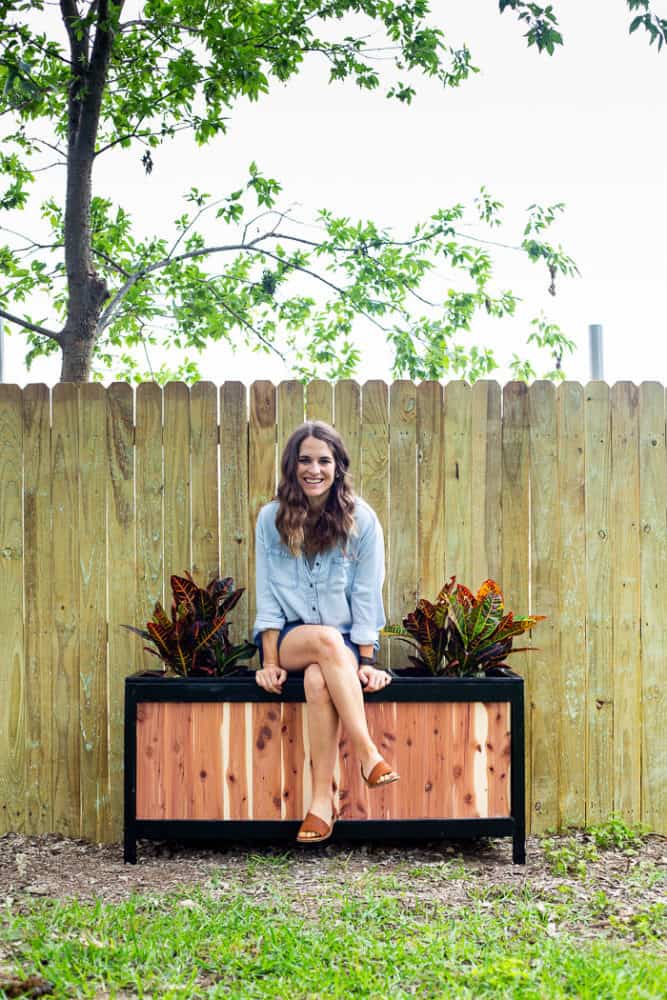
{"points": [[84, 77]]}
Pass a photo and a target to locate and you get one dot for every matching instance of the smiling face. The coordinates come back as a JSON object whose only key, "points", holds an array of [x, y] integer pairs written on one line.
{"points": [[316, 469]]}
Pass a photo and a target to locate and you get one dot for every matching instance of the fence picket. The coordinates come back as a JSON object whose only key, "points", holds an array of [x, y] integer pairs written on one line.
{"points": [[430, 491], [12, 663], [66, 610], [599, 679], [571, 614], [204, 482], [39, 633], [125, 649], [92, 656]]}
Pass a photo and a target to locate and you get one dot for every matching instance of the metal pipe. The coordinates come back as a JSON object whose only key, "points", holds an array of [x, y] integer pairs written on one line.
{"points": [[596, 353]]}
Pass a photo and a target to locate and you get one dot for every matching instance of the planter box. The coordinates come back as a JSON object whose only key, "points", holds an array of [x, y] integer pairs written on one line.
{"points": [[223, 760]]}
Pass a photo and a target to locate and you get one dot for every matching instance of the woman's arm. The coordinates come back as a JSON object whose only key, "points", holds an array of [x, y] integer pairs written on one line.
{"points": [[269, 614], [270, 646]]}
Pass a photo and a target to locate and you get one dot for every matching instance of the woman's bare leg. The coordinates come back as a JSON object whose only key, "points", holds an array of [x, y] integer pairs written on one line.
{"points": [[323, 731], [321, 644]]}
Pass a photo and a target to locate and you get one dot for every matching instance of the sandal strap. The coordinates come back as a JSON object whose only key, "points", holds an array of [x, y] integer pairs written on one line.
{"points": [[314, 824], [380, 771]]}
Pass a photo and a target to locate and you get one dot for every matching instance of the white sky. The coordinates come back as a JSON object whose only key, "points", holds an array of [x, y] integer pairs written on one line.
{"points": [[586, 126]]}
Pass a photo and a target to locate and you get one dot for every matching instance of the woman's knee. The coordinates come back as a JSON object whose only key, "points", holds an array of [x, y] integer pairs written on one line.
{"points": [[314, 684], [330, 642]]}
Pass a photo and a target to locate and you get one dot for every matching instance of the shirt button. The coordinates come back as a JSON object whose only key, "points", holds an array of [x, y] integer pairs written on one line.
{"points": [[314, 608], [311, 585], [317, 564]]}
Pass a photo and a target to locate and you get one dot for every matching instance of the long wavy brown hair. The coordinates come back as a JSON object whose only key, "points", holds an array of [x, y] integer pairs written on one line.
{"points": [[301, 530]]}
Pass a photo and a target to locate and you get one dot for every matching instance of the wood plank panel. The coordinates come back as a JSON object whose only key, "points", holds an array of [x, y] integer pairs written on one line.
{"points": [[12, 662], [437, 784], [653, 596], [516, 532], [409, 762], [319, 401], [599, 686], [266, 761], [66, 617], [402, 564], [150, 796], [498, 758], [626, 641], [347, 410], [383, 803], [467, 757], [292, 759], [486, 515], [291, 413], [374, 480], [149, 503], [545, 576], [236, 771], [204, 482], [571, 617], [207, 764], [124, 649], [93, 625], [261, 469], [235, 530], [39, 633], [176, 743], [177, 505], [458, 483], [353, 795], [430, 490]]}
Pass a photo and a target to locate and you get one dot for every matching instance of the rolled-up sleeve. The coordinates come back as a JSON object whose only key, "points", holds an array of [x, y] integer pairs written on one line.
{"points": [[366, 593], [269, 613]]}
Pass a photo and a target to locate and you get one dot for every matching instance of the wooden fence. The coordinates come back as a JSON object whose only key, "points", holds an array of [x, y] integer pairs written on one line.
{"points": [[560, 494]]}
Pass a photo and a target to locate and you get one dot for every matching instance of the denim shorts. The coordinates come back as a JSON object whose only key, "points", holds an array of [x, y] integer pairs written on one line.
{"points": [[288, 628]]}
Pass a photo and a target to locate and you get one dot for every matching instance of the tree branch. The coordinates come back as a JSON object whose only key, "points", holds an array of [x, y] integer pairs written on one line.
{"points": [[33, 327]]}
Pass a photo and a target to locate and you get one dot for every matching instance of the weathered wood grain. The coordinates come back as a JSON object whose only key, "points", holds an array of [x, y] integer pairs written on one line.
{"points": [[430, 491], [204, 481], [403, 573], [12, 663], [124, 649], [486, 515], [598, 753], [177, 501], [571, 617], [516, 532], [626, 644], [93, 662], [319, 401], [458, 483], [236, 531], [653, 596], [545, 578], [39, 634], [266, 761], [261, 469], [148, 517], [66, 596], [374, 480]]}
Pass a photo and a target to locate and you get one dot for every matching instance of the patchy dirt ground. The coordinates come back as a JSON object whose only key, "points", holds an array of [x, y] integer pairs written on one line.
{"points": [[56, 867]]}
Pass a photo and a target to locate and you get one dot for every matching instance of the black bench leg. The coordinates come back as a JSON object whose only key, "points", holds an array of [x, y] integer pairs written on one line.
{"points": [[130, 850], [518, 848]]}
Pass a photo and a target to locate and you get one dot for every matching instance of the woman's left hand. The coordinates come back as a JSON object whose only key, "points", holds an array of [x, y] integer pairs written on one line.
{"points": [[373, 679]]}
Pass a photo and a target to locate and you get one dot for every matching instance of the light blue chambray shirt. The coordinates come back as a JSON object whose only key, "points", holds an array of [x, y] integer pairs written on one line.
{"points": [[342, 589]]}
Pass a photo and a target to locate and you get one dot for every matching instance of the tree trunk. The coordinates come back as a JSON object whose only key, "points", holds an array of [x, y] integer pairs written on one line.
{"points": [[87, 292]]}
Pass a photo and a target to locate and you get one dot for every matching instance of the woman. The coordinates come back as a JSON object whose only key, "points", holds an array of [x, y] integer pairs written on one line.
{"points": [[319, 574]]}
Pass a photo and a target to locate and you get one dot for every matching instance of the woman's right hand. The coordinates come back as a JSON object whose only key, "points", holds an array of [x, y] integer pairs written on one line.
{"points": [[271, 677]]}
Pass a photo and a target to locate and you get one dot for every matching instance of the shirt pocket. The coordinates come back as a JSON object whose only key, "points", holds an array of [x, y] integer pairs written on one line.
{"points": [[282, 567], [342, 571]]}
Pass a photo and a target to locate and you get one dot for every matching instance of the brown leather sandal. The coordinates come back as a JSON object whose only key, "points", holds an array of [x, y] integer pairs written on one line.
{"points": [[315, 830], [381, 774]]}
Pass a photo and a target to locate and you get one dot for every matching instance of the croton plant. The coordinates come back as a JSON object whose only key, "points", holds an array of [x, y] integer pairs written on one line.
{"points": [[195, 642], [462, 634]]}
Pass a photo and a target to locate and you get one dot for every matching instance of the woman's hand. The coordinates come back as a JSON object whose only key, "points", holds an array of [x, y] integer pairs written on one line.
{"points": [[373, 679], [271, 677]]}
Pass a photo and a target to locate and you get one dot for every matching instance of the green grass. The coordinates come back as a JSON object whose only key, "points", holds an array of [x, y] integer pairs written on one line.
{"points": [[363, 940]]}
